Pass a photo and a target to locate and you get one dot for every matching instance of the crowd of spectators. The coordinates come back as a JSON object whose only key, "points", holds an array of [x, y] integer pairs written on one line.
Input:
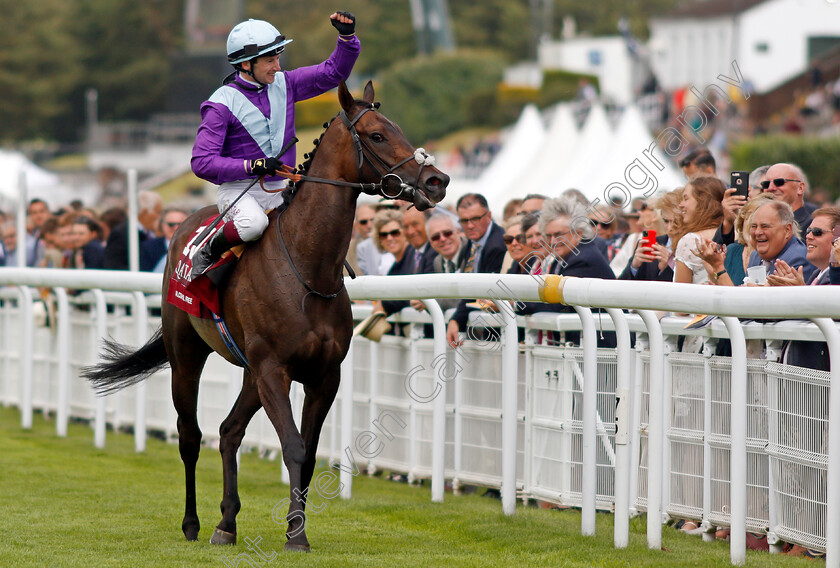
{"points": [[705, 233], [80, 237]]}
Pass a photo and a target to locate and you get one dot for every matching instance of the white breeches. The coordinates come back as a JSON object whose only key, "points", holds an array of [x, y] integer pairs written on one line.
{"points": [[248, 214]]}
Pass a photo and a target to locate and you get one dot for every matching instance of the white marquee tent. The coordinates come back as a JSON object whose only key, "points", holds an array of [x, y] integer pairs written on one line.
{"points": [[39, 182], [535, 160]]}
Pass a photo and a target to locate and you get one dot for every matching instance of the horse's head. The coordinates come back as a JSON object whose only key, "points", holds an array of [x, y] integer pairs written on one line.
{"points": [[385, 155]]}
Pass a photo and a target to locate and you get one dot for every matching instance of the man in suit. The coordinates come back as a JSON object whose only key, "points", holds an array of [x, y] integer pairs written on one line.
{"points": [[153, 251], [447, 242], [418, 256], [485, 251], [414, 227], [565, 227], [116, 249]]}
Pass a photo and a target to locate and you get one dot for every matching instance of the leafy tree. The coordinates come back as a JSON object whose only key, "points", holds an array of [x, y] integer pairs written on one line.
{"points": [[384, 28], [39, 68], [428, 96], [601, 18], [495, 25], [126, 49]]}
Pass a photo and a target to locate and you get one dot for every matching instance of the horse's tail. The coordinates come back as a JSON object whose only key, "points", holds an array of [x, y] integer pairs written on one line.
{"points": [[122, 367]]}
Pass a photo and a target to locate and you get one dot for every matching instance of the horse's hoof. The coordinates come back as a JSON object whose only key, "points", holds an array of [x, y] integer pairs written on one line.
{"points": [[191, 533], [222, 537], [289, 547]]}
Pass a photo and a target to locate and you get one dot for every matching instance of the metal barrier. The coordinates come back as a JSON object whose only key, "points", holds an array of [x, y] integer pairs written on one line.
{"points": [[738, 441]]}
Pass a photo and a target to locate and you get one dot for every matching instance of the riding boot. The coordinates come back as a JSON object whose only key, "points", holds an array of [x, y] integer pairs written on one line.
{"points": [[210, 253]]}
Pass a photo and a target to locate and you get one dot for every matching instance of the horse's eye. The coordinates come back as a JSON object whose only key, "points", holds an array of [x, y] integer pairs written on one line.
{"points": [[376, 137]]}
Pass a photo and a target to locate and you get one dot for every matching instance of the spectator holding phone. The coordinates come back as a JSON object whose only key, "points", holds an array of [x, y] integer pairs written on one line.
{"points": [[702, 212], [653, 259], [743, 186]]}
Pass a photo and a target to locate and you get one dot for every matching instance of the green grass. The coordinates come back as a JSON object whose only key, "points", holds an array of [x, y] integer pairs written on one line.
{"points": [[66, 504]]}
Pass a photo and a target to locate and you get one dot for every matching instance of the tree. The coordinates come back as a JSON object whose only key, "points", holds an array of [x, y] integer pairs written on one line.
{"points": [[127, 45], [39, 68], [428, 96]]}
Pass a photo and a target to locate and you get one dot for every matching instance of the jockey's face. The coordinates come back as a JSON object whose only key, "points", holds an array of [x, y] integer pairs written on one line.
{"points": [[264, 68]]}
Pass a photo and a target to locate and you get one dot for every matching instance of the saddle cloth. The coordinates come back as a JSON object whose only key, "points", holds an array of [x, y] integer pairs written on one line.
{"points": [[199, 297]]}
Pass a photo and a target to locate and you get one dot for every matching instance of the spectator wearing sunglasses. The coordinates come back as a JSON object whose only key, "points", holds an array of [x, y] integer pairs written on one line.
{"points": [[790, 184], [446, 240], [363, 255], [389, 240], [153, 251], [824, 253], [517, 246], [608, 239], [419, 256]]}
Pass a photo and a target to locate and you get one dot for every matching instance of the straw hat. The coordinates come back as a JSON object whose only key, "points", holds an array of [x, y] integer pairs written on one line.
{"points": [[373, 327]]}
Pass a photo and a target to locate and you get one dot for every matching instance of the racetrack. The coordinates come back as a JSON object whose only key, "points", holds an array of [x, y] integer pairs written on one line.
{"points": [[67, 504]]}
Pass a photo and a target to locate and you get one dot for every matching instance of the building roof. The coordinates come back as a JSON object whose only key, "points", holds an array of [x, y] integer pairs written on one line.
{"points": [[711, 8]]}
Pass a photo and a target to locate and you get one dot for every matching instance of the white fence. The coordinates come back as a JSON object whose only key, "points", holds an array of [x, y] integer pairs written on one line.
{"points": [[740, 442]]}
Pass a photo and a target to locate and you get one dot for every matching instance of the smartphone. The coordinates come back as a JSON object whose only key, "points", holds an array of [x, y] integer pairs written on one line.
{"points": [[741, 182], [648, 238]]}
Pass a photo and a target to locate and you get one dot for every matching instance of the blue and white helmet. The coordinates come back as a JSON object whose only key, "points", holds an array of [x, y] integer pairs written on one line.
{"points": [[253, 38]]}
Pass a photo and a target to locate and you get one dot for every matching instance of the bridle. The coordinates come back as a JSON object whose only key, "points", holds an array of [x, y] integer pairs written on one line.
{"points": [[390, 185]]}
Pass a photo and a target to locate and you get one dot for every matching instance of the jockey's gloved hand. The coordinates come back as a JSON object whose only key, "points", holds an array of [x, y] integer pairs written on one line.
{"points": [[345, 29], [264, 166]]}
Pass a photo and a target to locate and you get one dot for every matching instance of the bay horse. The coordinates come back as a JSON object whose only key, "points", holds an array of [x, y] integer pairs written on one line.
{"points": [[285, 306]]}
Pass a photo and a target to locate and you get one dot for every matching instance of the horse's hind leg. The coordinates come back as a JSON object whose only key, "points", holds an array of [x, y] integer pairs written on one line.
{"points": [[231, 433], [187, 355]]}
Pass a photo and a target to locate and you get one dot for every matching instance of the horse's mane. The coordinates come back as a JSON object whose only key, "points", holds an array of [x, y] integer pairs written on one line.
{"points": [[303, 168]]}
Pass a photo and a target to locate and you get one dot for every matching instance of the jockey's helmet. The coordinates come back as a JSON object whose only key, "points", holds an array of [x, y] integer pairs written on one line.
{"points": [[254, 38]]}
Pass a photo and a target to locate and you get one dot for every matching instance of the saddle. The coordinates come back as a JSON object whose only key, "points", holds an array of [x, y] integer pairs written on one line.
{"points": [[200, 297]]}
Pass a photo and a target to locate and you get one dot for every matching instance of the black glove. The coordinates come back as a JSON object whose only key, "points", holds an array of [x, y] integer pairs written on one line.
{"points": [[345, 29], [264, 166]]}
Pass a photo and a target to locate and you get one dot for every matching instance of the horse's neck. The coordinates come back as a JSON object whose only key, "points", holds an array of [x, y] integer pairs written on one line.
{"points": [[323, 218]]}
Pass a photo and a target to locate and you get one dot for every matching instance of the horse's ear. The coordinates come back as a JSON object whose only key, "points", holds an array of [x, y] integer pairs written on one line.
{"points": [[345, 98], [368, 96]]}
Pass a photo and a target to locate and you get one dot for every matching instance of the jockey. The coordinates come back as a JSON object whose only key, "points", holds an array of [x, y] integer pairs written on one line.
{"points": [[250, 118]]}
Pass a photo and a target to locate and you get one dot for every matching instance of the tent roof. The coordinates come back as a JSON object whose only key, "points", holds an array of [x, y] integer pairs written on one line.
{"points": [[39, 182]]}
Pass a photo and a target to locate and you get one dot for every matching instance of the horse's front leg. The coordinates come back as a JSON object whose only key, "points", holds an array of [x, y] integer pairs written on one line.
{"points": [[316, 406], [231, 433], [274, 383]]}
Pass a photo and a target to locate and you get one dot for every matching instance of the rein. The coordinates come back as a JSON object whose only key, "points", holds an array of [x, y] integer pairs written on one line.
{"points": [[387, 180], [309, 289], [390, 185]]}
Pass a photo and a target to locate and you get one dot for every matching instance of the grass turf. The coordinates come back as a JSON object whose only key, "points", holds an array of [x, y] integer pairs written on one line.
{"points": [[68, 504]]}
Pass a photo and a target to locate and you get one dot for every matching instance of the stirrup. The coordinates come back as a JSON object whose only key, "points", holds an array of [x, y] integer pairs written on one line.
{"points": [[202, 261]]}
